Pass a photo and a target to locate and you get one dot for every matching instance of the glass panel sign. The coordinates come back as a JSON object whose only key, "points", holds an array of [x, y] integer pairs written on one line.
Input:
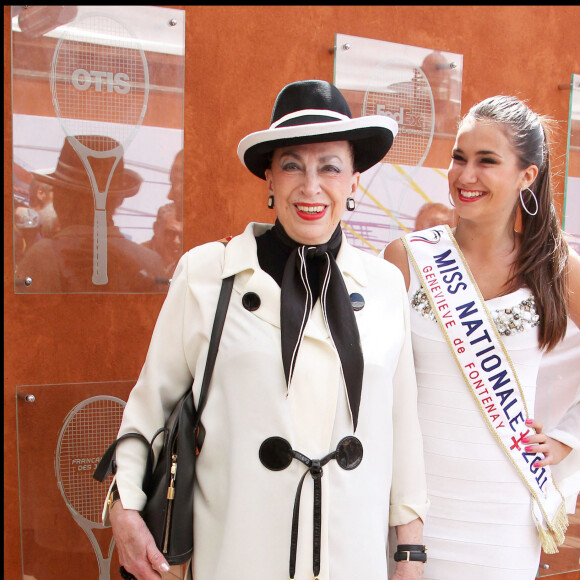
{"points": [[421, 89], [98, 147], [62, 432], [571, 222], [560, 372]]}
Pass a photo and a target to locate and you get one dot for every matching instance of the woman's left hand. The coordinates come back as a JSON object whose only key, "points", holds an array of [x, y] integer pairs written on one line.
{"points": [[554, 451], [408, 571]]}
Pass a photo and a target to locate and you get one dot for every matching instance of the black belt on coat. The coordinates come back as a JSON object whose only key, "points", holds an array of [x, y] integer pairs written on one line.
{"points": [[276, 454]]}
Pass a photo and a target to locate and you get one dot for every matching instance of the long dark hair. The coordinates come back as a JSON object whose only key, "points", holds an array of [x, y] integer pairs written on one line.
{"points": [[542, 262]]}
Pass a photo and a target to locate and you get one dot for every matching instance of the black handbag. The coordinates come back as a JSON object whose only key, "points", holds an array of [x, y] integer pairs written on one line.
{"points": [[168, 512]]}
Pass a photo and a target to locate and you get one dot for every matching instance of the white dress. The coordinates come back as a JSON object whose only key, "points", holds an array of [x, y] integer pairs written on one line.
{"points": [[479, 525]]}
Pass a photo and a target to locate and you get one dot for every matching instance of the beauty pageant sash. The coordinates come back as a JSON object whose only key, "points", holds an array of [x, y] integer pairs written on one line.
{"points": [[486, 367]]}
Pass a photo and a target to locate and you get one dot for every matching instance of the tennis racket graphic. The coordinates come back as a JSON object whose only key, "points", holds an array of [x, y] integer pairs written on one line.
{"points": [[99, 81], [86, 434], [399, 88]]}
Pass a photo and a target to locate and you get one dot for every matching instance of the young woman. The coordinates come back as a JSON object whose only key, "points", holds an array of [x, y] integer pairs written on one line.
{"points": [[316, 348], [488, 298]]}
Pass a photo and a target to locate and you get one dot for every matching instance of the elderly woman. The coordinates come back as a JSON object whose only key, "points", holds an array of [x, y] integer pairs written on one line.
{"points": [[315, 349]]}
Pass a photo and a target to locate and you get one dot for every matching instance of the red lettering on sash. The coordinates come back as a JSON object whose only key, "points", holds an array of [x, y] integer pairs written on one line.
{"points": [[516, 444]]}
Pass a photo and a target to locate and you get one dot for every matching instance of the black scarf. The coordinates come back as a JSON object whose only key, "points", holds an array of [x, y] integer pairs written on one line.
{"points": [[305, 274]]}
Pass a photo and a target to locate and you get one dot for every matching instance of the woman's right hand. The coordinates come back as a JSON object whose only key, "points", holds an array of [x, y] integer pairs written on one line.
{"points": [[138, 553]]}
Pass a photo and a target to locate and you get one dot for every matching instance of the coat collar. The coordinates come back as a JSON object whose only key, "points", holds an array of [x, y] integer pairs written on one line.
{"points": [[241, 256], [241, 259]]}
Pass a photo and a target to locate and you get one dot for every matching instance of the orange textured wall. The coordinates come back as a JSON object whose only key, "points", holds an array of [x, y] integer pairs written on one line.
{"points": [[237, 59]]}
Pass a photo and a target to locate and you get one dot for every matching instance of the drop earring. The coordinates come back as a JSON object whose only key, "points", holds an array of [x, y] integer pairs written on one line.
{"points": [[271, 201], [524, 203], [350, 205]]}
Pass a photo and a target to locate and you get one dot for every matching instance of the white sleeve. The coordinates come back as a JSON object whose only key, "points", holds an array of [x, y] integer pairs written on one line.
{"points": [[170, 364], [409, 487], [558, 407]]}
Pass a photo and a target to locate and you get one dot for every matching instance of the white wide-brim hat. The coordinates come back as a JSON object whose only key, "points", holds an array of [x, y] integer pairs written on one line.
{"points": [[315, 111]]}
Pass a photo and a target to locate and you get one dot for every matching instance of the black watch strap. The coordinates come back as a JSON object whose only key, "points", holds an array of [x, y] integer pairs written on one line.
{"points": [[407, 556], [411, 553], [411, 548]]}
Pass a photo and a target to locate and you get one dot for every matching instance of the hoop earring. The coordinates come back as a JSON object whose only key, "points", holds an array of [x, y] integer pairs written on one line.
{"points": [[271, 201], [451, 200], [350, 205], [524, 204]]}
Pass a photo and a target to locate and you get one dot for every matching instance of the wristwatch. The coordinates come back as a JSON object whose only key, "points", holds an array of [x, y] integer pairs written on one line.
{"points": [[113, 496], [411, 553]]}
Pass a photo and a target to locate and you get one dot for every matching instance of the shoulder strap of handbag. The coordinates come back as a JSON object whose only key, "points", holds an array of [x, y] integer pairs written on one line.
{"points": [[216, 333], [485, 365], [218, 324], [107, 462]]}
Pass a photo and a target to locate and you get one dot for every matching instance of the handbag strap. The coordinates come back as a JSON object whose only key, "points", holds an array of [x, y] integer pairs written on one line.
{"points": [[216, 333], [107, 463]]}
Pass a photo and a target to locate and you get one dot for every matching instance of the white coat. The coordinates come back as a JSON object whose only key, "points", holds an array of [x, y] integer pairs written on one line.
{"points": [[243, 511]]}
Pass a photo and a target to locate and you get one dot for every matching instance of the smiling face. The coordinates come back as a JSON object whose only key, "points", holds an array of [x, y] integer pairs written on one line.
{"points": [[485, 176], [310, 184]]}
